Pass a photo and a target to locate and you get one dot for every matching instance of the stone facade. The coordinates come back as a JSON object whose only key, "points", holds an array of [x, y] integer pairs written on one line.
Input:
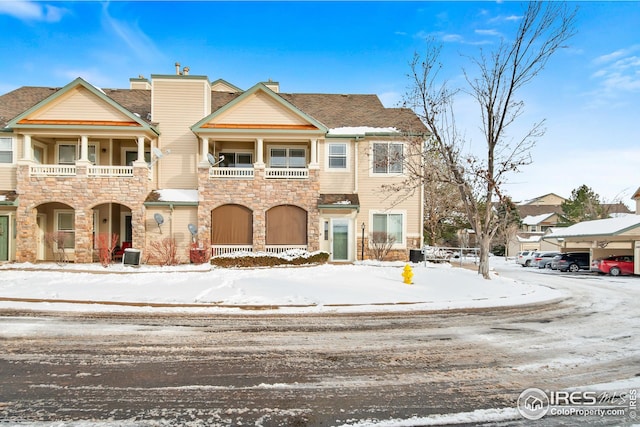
{"points": [[81, 193], [259, 195]]}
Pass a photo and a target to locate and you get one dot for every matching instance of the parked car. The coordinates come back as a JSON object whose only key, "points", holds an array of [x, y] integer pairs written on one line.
{"points": [[571, 261], [525, 258], [543, 259], [614, 265]]}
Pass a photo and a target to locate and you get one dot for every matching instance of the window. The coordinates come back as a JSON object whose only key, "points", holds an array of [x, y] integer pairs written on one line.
{"points": [[387, 157], [337, 156], [237, 160], [6, 150], [68, 153], [65, 224], [132, 156], [388, 226], [288, 158]]}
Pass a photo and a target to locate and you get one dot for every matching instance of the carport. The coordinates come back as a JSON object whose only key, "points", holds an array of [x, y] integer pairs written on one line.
{"points": [[602, 238]]}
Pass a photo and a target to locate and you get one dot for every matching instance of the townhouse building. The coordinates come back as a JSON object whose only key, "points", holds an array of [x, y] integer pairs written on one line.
{"points": [[180, 156]]}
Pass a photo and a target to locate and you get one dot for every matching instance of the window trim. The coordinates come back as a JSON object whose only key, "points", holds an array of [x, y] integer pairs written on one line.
{"points": [[287, 148], [403, 213], [372, 169], [12, 150], [235, 158], [328, 156], [56, 226], [78, 148]]}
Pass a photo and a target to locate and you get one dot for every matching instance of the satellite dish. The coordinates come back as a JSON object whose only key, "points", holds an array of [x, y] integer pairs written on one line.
{"points": [[157, 152], [212, 160], [159, 219], [192, 229]]}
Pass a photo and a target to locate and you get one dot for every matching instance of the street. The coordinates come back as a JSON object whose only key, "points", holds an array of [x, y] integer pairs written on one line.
{"points": [[313, 370]]}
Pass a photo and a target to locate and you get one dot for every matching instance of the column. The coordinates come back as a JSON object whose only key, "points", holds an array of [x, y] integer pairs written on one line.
{"points": [[84, 148], [204, 150], [313, 164], [259, 150], [140, 149], [27, 149]]}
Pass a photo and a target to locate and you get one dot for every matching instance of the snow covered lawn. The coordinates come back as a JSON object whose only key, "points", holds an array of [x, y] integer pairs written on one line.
{"points": [[367, 286]]}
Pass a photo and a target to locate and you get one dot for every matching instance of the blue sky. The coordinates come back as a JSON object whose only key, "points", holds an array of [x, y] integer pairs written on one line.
{"points": [[589, 93]]}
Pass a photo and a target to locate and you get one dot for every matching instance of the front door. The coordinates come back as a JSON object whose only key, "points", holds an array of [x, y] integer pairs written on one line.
{"points": [[4, 238], [340, 234]]}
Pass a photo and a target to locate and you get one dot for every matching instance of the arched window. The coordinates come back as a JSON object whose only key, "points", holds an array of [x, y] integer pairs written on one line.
{"points": [[232, 225], [286, 225]]}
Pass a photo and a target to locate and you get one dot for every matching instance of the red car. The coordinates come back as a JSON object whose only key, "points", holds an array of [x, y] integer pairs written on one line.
{"points": [[614, 265]]}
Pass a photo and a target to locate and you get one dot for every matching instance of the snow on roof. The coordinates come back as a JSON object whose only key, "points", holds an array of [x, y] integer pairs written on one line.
{"points": [[599, 227], [178, 195], [3, 198], [536, 219], [361, 130], [530, 239]]}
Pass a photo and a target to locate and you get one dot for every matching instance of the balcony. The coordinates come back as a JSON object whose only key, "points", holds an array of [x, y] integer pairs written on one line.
{"points": [[249, 173], [71, 170]]}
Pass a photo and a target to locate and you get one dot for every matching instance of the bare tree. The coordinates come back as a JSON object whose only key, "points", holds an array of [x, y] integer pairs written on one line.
{"points": [[543, 29]]}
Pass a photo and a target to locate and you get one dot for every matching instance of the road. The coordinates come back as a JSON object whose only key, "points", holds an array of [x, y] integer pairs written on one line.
{"points": [[316, 370]]}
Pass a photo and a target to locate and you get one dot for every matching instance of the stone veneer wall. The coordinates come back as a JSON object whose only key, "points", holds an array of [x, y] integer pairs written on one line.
{"points": [[81, 193], [259, 195]]}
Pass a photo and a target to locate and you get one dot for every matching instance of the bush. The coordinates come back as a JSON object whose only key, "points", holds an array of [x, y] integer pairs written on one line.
{"points": [[163, 252], [264, 259]]}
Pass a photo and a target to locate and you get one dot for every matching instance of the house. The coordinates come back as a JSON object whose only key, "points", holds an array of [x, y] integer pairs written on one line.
{"points": [[543, 215], [180, 156]]}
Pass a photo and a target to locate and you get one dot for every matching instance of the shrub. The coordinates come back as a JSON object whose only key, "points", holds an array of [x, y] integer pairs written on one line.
{"points": [[106, 243], [163, 252], [264, 259]]}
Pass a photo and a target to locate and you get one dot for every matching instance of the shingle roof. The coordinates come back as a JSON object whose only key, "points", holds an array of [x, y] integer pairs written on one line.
{"points": [[332, 110]]}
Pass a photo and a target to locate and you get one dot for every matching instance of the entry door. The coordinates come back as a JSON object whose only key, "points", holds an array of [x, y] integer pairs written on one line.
{"points": [[340, 235], [4, 238]]}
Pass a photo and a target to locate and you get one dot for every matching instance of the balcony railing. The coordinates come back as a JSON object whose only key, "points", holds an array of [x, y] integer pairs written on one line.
{"points": [[71, 170], [217, 250], [287, 173], [278, 249], [111, 171], [236, 173], [52, 170]]}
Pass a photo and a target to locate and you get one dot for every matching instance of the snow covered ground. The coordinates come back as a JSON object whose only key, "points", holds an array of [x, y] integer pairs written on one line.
{"points": [[368, 286]]}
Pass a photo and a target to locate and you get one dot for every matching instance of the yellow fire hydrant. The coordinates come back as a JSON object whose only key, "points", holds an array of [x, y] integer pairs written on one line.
{"points": [[407, 273]]}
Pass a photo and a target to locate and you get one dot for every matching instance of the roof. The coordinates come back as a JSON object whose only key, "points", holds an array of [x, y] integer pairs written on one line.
{"points": [[332, 110], [599, 227], [537, 219], [339, 201], [171, 196]]}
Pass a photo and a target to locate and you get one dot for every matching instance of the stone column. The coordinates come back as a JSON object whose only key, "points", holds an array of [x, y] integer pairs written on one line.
{"points": [[84, 235], [26, 239]]}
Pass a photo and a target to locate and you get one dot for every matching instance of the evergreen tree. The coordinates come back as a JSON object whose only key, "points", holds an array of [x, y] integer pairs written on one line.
{"points": [[583, 205]]}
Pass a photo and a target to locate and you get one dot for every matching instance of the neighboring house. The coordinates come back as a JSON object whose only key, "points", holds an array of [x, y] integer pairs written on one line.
{"points": [[542, 216], [173, 155]]}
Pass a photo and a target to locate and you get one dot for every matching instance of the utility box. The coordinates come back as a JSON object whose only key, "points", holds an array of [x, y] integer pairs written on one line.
{"points": [[132, 257]]}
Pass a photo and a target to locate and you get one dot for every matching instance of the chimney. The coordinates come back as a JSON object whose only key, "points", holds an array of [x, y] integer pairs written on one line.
{"points": [[274, 86], [177, 68]]}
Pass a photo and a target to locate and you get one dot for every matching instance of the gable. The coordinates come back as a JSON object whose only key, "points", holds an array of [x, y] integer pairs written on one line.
{"points": [[77, 105], [259, 109]]}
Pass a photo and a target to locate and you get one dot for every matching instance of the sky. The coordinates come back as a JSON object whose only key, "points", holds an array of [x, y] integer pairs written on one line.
{"points": [[588, 94]]}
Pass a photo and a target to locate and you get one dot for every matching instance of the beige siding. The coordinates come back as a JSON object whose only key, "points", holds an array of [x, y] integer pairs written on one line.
{"points": [[223, 87], [260, 108], [79, 104], [336, 181], [177, 105], [174, 226], [374, 198], [8, 179]]}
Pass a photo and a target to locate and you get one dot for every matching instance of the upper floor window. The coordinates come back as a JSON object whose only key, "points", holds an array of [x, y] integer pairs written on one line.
{"points": [[288, 158], [387, 157], [337, 156], [237, 160], [69, 153], [6, 150]]}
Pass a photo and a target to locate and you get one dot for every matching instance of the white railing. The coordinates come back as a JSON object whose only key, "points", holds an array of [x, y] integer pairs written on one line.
{"points": [[284, 173], [246, 173], [229, 249], [52, 170], [278, 249], [111, 171]]}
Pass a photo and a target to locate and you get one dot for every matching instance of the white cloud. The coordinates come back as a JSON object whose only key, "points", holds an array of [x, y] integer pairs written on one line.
{"points": [[488, 33], [32, 11]]}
